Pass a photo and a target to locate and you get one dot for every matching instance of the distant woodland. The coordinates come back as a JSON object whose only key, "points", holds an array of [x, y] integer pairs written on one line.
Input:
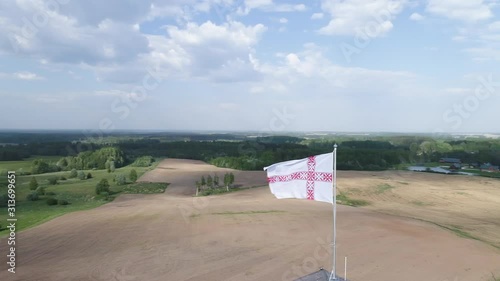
{"points": [[239, 151]]}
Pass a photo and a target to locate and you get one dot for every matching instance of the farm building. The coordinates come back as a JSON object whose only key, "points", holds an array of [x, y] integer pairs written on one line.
{"points": [[489, 168], [450, 160], [474, 165]]}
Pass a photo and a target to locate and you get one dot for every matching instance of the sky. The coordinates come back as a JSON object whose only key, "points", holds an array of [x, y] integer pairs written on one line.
{"points": [[260, 65]]}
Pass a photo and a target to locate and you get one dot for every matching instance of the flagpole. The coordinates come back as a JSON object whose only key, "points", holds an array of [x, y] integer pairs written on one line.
{"points": [[333, 275]]}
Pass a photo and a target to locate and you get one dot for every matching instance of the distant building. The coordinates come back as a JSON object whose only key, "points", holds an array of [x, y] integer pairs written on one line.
{"points": [[456, 166], [417, 168], [487, 167], [474, 165], [450, 160]]}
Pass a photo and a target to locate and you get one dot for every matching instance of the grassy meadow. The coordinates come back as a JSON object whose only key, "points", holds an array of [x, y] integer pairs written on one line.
{"points": [[25, 164], [80, 194]]}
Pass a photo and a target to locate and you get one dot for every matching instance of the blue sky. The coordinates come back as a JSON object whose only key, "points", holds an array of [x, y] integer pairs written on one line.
{"points": [[261, 65]]}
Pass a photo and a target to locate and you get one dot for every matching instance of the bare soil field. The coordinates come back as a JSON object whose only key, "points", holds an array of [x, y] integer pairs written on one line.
{"points": [[250, 235], [467, 205]]}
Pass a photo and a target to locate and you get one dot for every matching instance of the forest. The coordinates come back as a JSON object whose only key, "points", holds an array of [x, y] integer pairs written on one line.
{"points": [[239, 151]]}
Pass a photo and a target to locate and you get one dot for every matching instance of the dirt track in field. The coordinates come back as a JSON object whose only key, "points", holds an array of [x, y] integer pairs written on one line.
{"points": [[250, 235]]}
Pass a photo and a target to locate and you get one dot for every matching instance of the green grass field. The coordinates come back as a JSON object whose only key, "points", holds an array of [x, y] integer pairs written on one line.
{"points": [[383, 188], [79, 193], [26, 163]]}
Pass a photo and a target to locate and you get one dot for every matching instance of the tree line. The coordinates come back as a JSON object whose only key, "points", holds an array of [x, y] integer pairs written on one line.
{"points": [[207, 185], [245, 153]]}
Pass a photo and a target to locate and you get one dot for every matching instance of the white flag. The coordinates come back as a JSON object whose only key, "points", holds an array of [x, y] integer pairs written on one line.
{"points": [[309, 178]]}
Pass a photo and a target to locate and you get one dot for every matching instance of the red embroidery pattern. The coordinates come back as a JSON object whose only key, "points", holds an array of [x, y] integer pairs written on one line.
{"points": [[311, 176]]}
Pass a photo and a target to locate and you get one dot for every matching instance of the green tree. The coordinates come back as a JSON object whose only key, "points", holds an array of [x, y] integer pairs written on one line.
{"points": [[120, 179], [203, 182], [89, 175], [216, 180], [39, 166], [143, 161], [81, 175], [231, 178], [133, 175], [210, 181], [443, 147], [428, 148], [4, 200], [99, 159], [198, 185], [62, 163], [33, 183], [110, 166], [33, 196], [53, 180], [73, 174], [51, 201], [102, 186], [226, 181]]}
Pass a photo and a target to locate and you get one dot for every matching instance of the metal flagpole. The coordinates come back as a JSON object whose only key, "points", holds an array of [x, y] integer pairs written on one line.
{"points": [[333, 275], [345, 269]]}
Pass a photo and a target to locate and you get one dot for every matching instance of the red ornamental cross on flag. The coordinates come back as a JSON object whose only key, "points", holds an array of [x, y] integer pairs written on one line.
{"points": [[310, 176]]}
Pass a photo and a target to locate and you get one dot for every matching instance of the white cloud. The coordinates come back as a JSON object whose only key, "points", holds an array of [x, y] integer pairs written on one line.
{"points": [[468, 11], [79, 33], [110, 93], [283, 20], [485, 53], [289, 8], [185, 10], [431, 48], [458, 91], [23, 75], [109, 41], [494, 26], [234, 33], [269, 87], [335, 90], [58, 98], [317, 16], [216, 52], [310, 68], [349, 17], [34, 30], [474, 30], [416, 17], [127, 12], [253, 4], [49, 100], [459, 38], [269, 6], [482, 40], [229, 106], [207, 51]]}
